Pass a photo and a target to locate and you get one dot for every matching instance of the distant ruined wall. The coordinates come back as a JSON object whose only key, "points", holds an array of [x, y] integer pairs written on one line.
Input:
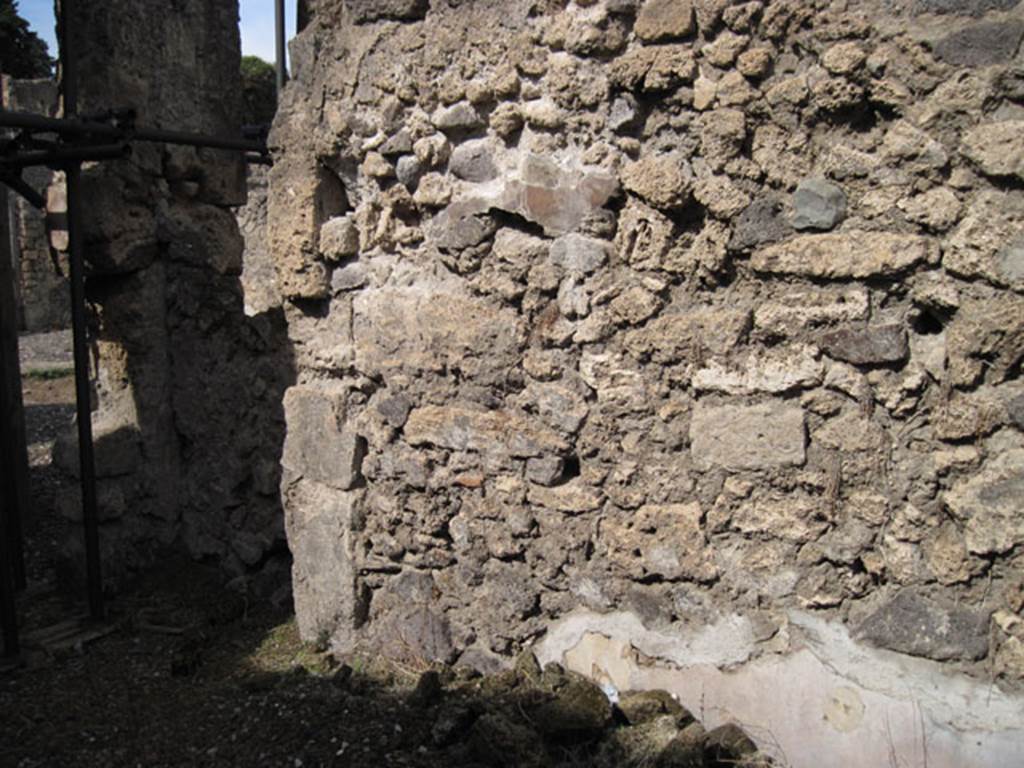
{"points": [[42, 287], [679, 338], [188, 423]]}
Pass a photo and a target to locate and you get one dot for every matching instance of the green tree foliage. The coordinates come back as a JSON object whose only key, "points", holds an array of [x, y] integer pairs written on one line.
{"points": [[259, 100], [22, 52]]}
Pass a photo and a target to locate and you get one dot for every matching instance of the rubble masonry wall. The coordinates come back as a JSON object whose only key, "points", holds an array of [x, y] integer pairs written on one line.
{"points": [[680, 338]]}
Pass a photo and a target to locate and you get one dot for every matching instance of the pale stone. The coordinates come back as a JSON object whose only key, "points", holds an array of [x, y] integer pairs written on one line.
{"points": [[985, 337], [851, 432], [579, 255], [720, 196], [844, 58], [997, 148], [988, 504], [634, 305], [664, 181], [794, 518], [775, 371], [915, 148], [457, 117], [747, 437], [339, 238], [615, 379], [795, 311], [319, 443], [722, 52], [500, 431], [846, 255], [937, 209], [319, 522], [672, 337], [427, 327], [573, 497], [755, 62]]}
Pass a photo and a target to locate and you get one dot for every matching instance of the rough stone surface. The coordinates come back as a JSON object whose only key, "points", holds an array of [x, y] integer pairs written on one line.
{"points": [[625, 381], [664, 19], [912, 623], [846, 255], [867, 346], [317, 445], [818, 204], [997, 148], [981, 45], [748, 437]]}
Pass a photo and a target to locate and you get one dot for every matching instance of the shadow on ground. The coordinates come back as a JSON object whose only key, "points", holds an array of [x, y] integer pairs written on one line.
{"points": [[194, 675]]}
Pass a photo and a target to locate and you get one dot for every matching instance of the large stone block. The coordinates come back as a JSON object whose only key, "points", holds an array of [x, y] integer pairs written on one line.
{"points": [[463, 429], [914, 624], [870, 345], [426, 327], [318, 444], [981, 45], [846, 255], [997, 148], [989, 504], [773, 370], [748, 436], [319, 521], [664, 20]]}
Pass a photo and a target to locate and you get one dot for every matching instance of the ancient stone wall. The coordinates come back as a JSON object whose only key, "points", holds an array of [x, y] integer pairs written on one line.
{"points": [[188, 421], [40, 280], [680, 337]]}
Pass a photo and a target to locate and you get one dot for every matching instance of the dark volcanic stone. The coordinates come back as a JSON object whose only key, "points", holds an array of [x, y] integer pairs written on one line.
{"points": [[872, 345], [760, 223], [818, 204], [917, 625], [981, 45]]}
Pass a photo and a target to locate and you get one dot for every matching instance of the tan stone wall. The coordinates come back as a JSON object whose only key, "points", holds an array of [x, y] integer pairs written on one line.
{"points": [[679, 310], [188, 388], [41, 276]]}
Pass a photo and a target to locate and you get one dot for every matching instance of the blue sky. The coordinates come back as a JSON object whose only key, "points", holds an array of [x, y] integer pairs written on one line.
{"points": [[257, 24]]}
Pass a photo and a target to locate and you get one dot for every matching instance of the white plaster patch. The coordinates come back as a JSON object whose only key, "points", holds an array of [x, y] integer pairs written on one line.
{"points": [[829, 703]]}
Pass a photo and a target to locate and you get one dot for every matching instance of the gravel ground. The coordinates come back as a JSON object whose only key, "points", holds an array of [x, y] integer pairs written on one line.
{"points": [[41, 351], [48, 394]]}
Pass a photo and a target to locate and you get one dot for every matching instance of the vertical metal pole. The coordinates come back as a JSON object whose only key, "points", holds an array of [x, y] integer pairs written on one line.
{"points": [[13, 455], [8, 609], [11, 560], [279, 36], [83, 406]]}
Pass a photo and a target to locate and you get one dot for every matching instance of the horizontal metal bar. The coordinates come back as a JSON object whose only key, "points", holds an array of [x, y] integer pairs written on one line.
{"points": [[63, 155], [196, 140], [33, 122]]}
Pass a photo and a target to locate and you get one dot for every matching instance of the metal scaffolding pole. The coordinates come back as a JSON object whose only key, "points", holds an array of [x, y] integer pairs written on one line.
{"points": [[279, 47], [83, 404]]}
